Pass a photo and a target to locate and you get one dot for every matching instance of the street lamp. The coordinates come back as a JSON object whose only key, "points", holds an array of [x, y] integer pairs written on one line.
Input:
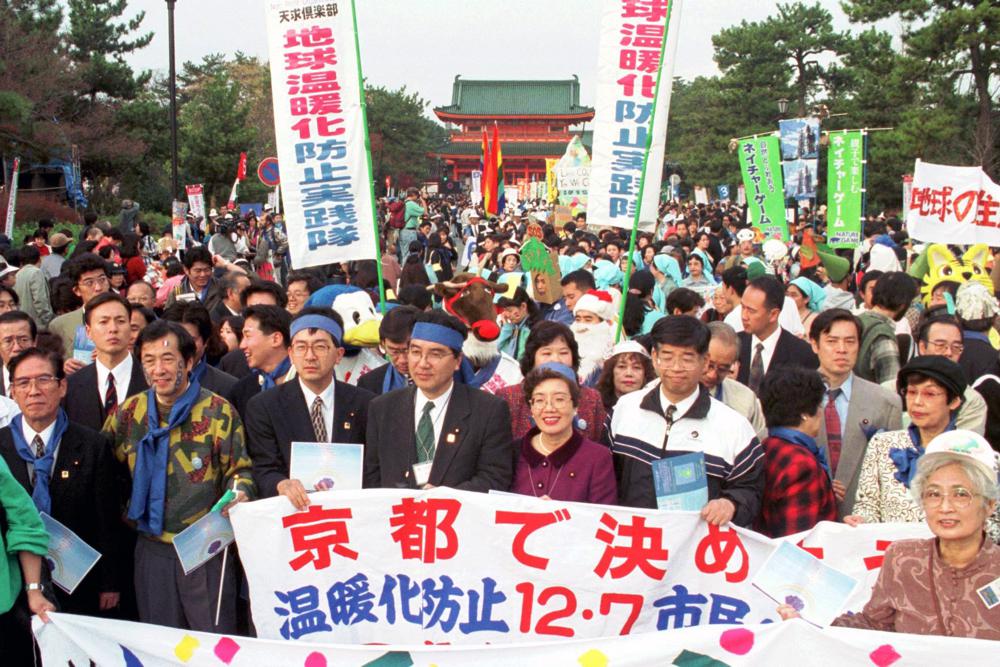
{"points": [[173, 102], [782, 105]]}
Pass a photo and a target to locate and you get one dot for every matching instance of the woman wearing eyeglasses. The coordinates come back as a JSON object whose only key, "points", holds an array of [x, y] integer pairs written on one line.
{"points": [[932, 388], [555, 462], [948, 584]]}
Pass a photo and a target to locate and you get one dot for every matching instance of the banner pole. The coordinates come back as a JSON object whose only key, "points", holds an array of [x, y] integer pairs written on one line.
{"points": [[642, 180], [864, 175], [368, 157]]}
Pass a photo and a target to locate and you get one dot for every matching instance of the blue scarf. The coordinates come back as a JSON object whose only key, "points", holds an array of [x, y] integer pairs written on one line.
{"points": [[149, 479], [905, 458], [270, 379], [468, 375], [43, 466], [199, 370], [800, 438], [975, 335], [393, 380]]}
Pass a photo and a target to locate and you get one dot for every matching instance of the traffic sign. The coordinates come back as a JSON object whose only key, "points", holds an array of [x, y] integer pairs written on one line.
{"points": [[267, 172]]}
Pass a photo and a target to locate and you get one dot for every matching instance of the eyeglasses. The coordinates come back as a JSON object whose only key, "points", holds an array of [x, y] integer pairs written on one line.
{"points": [[722, 370], [944, 346], [319, 349], [94, 282], [395, 352], [913, 394], [960, 498], [10, 341], [433, 356], [43, 382], [685, 362], [298, 294], [558, 401]]}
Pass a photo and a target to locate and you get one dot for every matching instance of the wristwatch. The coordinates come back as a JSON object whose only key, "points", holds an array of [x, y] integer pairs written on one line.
{"points": [[32, 587]]}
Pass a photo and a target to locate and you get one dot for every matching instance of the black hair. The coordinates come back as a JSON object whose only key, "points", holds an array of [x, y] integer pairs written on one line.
{"points": [[12, 293], [924, 332], [521, 297], [920, 378], [52, 357], [197, 254], [640, 287], [544, 333], [443, 319], [397, 324], [681, 331], [30, 254], [540, 375], [735, 277], [683, 299], [103, 298], [583, 279], [20, 316], [325, 312], [414, 295], [605, 385], [264, 287], [825, 320], [271, 319], [191, 312], [85, 263], [312, 281], [894, 291], [148, 314], [869, 276], [789, 392], [160, 329], [774, 292]]}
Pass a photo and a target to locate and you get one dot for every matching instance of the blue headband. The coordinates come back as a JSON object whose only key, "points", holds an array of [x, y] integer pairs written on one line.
{"points": [[562, 369], [438, 333], [321, 322]]}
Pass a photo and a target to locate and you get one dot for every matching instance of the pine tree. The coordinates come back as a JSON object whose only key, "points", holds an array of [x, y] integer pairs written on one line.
{"points": [[99, 44]]}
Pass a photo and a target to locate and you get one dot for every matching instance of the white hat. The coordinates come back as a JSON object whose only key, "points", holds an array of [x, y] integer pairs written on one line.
{"points": [[745, 235], [6, 270], [213, 213], [597, 302], [627, 347], [965, 443]]}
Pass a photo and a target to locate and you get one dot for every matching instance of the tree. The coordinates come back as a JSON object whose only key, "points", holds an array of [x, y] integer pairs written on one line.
{"points": [[44, 16], [961, 34], [401, 135], [99, 44]]}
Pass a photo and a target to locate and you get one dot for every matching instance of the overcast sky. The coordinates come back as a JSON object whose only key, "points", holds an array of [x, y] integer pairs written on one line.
{"points": [[423, 44]]}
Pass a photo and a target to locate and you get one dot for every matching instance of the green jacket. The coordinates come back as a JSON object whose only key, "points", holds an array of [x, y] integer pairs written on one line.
{"points": [[873, 327], [24, 532]]}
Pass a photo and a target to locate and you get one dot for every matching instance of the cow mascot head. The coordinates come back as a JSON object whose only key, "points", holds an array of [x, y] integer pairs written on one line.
{"points": [[361, 321]]}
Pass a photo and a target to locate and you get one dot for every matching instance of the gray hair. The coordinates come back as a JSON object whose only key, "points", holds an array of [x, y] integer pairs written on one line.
{"points": [[983, 483], [725, 334]]}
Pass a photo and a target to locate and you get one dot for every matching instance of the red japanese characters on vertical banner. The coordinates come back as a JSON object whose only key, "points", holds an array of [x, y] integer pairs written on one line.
{"points": [[958, 205], [456, 567]]}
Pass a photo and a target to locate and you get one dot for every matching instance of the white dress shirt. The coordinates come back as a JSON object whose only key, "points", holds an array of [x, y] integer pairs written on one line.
{"points": [[788, 319], [6, 380], [767, 353], [437, 414], [327, 398], [29, 437], [122, 374], [8, 410], [682, 407]]}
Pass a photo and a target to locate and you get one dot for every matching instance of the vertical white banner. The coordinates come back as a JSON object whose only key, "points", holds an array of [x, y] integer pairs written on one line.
{"points": [[196, 200], [320, 131], [8, 227], [477, 187], [632, 35]]}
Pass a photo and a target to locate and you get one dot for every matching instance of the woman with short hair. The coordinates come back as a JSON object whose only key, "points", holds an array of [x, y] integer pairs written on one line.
{"points": [[628, 369]]}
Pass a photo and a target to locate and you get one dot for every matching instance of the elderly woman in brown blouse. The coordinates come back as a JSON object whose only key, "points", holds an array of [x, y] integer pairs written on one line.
{"points": [[945, 585]]}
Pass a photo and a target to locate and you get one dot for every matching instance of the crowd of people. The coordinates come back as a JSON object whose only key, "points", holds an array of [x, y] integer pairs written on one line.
{"points": [[143, 377]]}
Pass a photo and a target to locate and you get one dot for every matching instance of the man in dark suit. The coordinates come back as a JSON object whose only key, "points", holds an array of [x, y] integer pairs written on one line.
{"points": [[96, 391], [17, 332], [230, 288], [265, 344], [313, 407], [438, 433], [394, 336], [68, 470], [763, 343], [259, 293], [194, 317]]}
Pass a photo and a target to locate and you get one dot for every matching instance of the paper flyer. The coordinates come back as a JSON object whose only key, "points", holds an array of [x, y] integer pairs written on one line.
{"points": [[70, 559], [680, 482], [203, 540], [795, 577], [326, 466]]}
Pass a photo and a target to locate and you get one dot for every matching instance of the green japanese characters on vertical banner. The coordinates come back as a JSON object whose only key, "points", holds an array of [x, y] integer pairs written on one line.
{"points": [[845, 188], [760, 162]]}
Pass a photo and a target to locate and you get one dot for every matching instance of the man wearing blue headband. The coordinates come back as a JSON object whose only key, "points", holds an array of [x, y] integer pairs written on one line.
{"points": [[438, 432], [314, 407]]}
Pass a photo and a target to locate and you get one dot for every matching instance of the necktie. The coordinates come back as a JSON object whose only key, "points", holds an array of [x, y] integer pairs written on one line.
{"points": [[425, 434], [318, 422], [39, 448], [669, 416], [757, 367], [833, 433], [111, 397]]}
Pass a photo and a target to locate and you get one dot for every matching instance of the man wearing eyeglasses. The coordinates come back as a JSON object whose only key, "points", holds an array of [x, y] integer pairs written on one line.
{"points": [[314, 407], [68, 470], [438, 432], [17, 333], [90, 276], [723, 360], [394, 338]]}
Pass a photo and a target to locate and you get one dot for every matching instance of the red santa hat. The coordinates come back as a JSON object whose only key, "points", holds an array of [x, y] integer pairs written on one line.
{"points": [[598, 302]]}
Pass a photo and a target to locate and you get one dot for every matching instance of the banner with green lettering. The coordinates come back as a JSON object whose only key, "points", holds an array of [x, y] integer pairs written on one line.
{"points": [[845, 188], [760, 162]]}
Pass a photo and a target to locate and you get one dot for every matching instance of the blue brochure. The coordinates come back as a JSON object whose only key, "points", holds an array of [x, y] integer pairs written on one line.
{"points": [[795, 577], [326, 466], [680, 483], [69, 557], [203, 540]]}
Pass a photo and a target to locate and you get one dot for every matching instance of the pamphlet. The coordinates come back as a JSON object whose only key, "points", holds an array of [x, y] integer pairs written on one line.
{"points": [[680, 482], [795, 577], [203, 540], [326, 466], [70, 559]]}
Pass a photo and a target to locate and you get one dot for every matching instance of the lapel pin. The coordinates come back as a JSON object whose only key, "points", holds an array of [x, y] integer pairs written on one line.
{"points": [[450, 439], [865, 422], [65, 474], [347, 426], [197, 463]]}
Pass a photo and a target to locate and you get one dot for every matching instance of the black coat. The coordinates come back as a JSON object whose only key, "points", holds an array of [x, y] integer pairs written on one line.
{"points": [[241, 393], [372, 380], [473, 452], [218, 382], [85, 500], [84, 402], [278, 417], [235, 363], [789, 351]]}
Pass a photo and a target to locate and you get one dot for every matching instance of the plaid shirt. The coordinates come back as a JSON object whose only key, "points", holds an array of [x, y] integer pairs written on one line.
{"points": [[798, 493]]}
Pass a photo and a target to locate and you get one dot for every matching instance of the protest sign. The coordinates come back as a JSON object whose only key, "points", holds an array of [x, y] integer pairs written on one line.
{"points": [[573, 176], [8, 225], [196, 200], [550, 180], [202, 541], [326, 465], [320, 132], [958, 205], [764, 189], [701, 195], [80, 640], [845, 187], [178, 222], [477, 187], [467, 568], [629, 65]]}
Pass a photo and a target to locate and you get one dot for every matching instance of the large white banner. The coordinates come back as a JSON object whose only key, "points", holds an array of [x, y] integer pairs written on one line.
{"points": [[632, 35], [320, 131], [8, 224], [447, 566], [83, 640], [958, 205]]}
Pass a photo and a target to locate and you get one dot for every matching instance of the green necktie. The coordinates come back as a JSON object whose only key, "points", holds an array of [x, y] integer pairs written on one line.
{"points": [[425, 434]]}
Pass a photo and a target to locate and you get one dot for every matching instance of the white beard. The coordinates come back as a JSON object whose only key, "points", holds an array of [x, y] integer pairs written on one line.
{"points": [[594, 342], [479, 352]]}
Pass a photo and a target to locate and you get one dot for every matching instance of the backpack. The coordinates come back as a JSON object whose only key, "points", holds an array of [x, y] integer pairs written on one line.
{"points": [[397, 217]]}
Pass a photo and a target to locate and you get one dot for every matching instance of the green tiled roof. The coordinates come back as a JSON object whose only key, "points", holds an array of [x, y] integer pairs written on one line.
{"points": [[511, 149], [515, 98]]}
